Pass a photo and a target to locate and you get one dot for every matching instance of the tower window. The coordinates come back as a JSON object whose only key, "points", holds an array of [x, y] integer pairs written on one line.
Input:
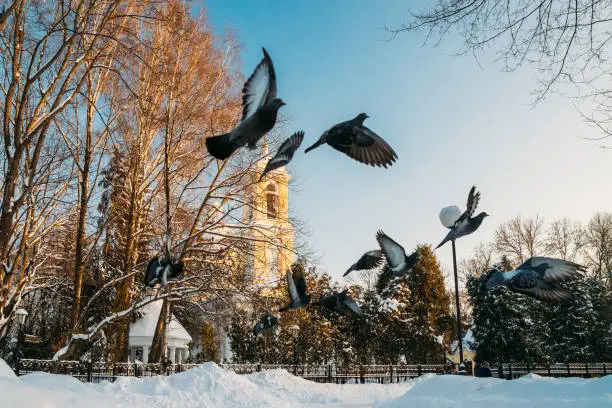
{"points": [[271, 200]]}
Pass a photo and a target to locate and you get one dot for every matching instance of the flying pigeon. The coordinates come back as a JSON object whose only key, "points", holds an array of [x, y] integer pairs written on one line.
{"points": [[341, 303], [466, 224], [259, 110], [369, 260], [397, 261], [358, 142], [537, 277], [163, 271], [297, 290], [284, 154], [266, 323]]}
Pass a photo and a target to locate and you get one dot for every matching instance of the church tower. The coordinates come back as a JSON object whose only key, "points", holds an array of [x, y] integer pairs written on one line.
{"points": [[268, 209]]}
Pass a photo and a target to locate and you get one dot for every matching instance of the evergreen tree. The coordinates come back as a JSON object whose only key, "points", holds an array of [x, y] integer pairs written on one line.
{"points": [[508, 327]]}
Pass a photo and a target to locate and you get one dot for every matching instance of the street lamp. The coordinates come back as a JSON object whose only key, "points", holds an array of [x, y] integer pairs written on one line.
{"points": [[20, 318], [448, 216], [294, 330]]}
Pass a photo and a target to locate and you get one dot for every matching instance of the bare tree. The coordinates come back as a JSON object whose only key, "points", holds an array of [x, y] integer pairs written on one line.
{"points": [[598, 251], [566, 41], [565, 240], [520, 239]]}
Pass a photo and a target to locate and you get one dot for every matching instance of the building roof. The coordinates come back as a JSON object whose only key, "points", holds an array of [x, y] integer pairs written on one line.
{"points": [[143, 329]]}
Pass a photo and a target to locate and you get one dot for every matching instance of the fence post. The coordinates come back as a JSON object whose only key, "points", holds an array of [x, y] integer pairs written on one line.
{"points": [[258, 367], [391, 373], [500, 370], [361, 374], [604, 369], [419, 370], [528, 368], [510, 371], [586, 369], [569, 373], [89, 371], [329, 373], [548, 368]]}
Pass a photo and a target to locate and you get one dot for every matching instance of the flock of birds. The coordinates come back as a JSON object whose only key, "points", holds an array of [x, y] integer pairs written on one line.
{"points": [[538, 277]]}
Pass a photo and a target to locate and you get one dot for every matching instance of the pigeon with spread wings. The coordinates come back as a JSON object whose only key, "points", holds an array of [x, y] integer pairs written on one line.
{"points": [[466, 224], [341, 303], [284, 154], [260, 109], [397, 261], [358, 142], [538, 277], [296, 284]]}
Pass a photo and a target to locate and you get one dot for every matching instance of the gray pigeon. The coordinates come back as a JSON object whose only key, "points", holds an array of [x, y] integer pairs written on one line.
{"points": [[297, 290], [267, 322], [260, 108], [369, 260], [466, 224], [284, 154], [341, 303], [397, 261], [537, 277], [358, 142]]}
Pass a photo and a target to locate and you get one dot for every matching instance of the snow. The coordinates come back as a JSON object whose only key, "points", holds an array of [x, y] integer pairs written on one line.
{"points": [[210, 386]]}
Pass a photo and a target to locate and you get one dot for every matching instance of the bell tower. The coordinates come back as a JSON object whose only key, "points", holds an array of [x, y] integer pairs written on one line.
{"points": [[267, 210]]}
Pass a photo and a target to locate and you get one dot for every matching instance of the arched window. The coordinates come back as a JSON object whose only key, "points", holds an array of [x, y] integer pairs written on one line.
{"points": [[271, 200]]}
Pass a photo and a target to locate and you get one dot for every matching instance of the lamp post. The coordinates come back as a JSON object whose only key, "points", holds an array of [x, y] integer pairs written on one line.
{"points": [[294, 330], [20, 318], [448, 216]]}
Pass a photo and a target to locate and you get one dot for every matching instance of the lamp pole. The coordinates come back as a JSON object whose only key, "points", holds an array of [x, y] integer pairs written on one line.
{"points": [[20, 318], [459, 337]]}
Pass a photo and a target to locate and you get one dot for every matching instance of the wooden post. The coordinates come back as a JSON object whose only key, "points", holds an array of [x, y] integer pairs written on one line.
{"points": [[500, 371], [361, 374], [586, 369], [548, 368], [569, 372], [604, 369], [391, 373], [510, 371], [89, 371]]}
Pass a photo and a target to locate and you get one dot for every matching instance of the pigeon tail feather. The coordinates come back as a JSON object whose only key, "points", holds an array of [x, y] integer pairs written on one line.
{"points": [[220, 147]]}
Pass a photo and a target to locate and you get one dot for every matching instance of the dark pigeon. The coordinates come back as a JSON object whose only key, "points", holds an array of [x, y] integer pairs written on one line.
{"points": [[259, 111], [466, 224], [358, 142], [538, 277], [267, 322], [162, 271], [369, 260], [397, 261], [296, 285], [284, 154], [341, 303]]}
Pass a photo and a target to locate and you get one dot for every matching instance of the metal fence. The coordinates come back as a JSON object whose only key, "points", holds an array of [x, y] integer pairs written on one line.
{"points": [[382, 374]]}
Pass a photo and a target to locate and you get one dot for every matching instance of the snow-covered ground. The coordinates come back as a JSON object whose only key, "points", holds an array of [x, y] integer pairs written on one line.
{"points": [[210, 386]]}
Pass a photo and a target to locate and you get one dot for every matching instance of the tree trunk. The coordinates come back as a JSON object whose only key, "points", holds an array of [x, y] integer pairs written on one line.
{"points": [[159, 346]]}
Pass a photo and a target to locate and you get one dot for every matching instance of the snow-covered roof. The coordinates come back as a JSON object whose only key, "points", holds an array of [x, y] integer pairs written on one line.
{"points": [[143, 329]]}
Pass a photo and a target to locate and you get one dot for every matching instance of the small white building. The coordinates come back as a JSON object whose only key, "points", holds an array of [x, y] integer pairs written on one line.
{"points": [[143, 330]]}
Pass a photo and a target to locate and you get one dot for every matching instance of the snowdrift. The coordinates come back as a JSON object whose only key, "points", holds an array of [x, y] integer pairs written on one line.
{"points": [[211, 386]]}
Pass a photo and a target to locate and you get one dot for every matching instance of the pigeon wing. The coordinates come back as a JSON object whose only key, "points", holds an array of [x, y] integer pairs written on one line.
{"points": [[260, 88], [285, 153], [493, 279], [152, 274], [369, 260], [394, 252], [300, 283], [470, 208], [370, 149], [293, 292], [351, 305], [412, 260], [554, 294], [558, 270]]}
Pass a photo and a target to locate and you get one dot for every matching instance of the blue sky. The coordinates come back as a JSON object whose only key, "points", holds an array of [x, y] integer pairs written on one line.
{"points": [[452, 122]]}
